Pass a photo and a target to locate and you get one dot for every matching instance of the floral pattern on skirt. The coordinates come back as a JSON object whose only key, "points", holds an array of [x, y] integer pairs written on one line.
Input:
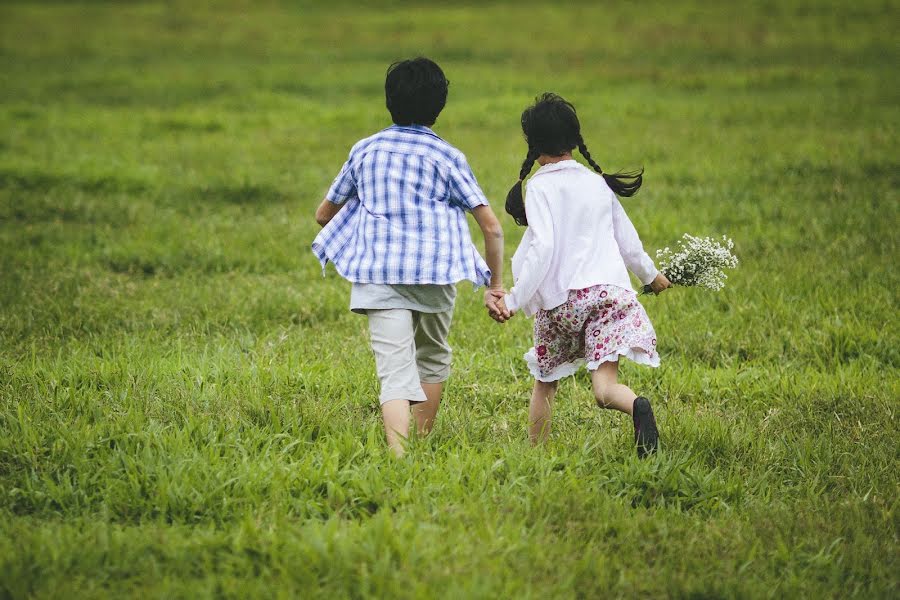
{"points": [[595, 325]]}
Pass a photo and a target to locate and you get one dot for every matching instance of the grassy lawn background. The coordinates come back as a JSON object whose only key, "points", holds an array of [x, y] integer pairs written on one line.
{"points": [[188, 409]]}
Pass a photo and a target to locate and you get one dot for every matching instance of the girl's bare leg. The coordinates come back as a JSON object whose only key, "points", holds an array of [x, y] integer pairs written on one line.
{"points": [[608, 392], [540, 411], [426, 412], [395, 414]]}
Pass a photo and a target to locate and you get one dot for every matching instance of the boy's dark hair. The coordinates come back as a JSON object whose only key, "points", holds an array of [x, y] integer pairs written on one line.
{"points": [[415, 91], [551, 127]]}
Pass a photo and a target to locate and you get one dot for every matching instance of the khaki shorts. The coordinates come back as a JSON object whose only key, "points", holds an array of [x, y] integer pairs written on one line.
{"points": [[410, 349]]}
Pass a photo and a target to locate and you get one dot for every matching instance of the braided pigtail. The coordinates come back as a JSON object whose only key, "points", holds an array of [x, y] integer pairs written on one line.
{"points": [[623, 183], [515, 201]]}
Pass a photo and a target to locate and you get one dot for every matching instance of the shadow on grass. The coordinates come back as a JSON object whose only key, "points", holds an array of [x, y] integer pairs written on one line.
{"points": [[46, 181], [41, 195], [122, 92], [241, 194], [180, 125]]}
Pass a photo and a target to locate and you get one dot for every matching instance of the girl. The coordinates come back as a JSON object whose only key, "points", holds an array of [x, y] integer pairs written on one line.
{"points": [[570, 272]]}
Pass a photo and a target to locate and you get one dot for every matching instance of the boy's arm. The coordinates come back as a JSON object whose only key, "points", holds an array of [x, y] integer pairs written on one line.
{"points": [[493, 254], [342, 189], [493, 242], [326, 212]]}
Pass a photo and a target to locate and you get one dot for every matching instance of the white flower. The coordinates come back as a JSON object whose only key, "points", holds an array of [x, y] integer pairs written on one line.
{"points": [[698, 262]]}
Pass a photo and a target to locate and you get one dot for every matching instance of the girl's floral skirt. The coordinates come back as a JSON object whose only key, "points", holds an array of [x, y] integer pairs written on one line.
{"points": [[595, 325]]}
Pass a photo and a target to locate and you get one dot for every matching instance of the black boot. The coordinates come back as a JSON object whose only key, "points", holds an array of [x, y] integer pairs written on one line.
{"points": [[646, 436]]}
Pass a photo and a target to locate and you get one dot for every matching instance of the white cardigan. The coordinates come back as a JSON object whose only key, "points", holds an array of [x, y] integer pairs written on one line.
{"points": [[578, 236]]}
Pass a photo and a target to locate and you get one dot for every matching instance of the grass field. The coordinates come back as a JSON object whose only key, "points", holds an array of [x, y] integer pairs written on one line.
{"points": [[188, 409]]}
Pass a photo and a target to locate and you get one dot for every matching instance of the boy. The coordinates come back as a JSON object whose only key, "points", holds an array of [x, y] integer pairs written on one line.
{"points": [[394, 225]]}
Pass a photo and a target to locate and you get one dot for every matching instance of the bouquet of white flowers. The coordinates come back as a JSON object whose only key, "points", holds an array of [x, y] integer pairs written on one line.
{"points": [[697, 262]]}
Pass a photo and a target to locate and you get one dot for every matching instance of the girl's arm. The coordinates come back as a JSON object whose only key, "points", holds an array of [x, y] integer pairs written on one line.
{"points": [[326, 212], [630, 246], [536, 262]]}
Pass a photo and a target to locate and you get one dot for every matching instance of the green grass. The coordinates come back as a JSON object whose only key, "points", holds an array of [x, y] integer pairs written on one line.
{"points": [[188, 409]]}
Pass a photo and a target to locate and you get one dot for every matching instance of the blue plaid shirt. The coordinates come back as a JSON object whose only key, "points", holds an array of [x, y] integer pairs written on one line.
{"points": [[406, 192]]}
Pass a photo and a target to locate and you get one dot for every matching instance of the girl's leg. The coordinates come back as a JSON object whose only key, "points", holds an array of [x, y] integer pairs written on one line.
{"points": [[608, 392], [541, 410], [395, 414]]}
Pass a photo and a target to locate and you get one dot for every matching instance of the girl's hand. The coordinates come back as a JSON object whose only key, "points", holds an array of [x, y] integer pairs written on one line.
{"points": [[504, 311], [659, 283]]}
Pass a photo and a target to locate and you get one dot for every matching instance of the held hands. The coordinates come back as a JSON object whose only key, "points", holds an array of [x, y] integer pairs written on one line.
{"points": [[496, 306], [504, 314]]}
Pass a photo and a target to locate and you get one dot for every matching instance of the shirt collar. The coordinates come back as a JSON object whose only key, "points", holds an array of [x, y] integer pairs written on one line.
{"points": [[559, 166], [415, 129]]}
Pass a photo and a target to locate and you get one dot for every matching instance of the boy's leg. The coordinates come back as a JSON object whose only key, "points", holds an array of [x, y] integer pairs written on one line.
{"points": [[395, 414], [541, 410], [608, 392], [426, 412], [433, 356], [393, 342]]}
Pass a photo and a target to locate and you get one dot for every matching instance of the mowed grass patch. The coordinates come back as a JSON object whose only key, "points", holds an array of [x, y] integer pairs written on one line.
{"points": [[188, 409]]}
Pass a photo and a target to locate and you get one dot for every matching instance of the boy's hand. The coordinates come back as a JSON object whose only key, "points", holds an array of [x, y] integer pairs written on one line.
{"points": [[493, 301], [659, 283]]}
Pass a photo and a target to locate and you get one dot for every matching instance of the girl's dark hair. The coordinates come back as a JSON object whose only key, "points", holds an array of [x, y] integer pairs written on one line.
{"points": [[415, 91], [551, 127]]}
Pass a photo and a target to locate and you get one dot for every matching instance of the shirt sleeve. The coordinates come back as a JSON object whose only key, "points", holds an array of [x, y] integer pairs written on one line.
{"points": [[630, 246], [343, 187], [464, 189], [539, 253]]}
